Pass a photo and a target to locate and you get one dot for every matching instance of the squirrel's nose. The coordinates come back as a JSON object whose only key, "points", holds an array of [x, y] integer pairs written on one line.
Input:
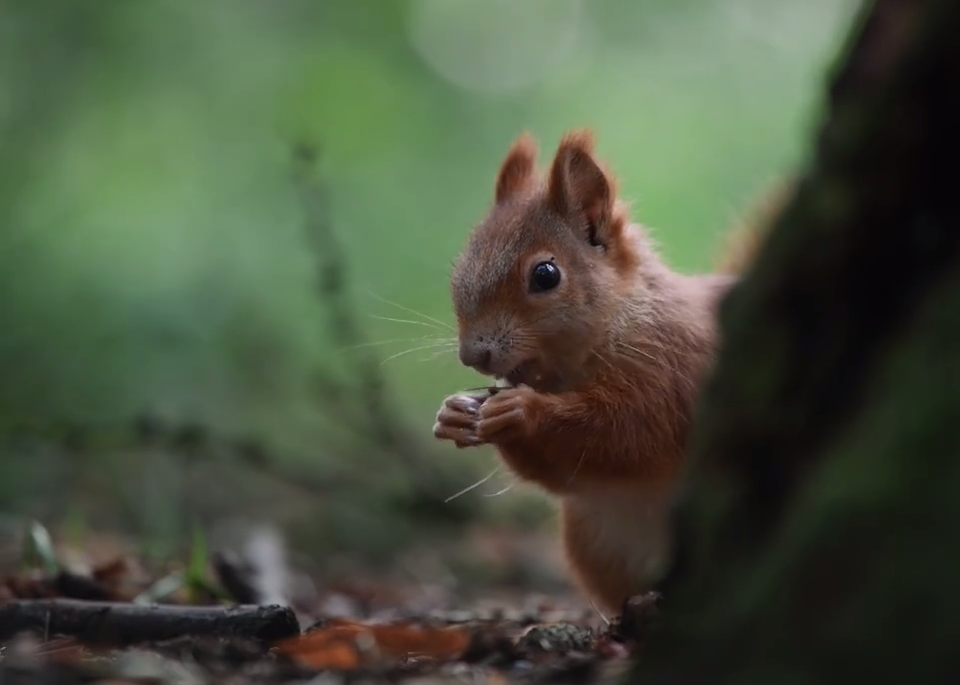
{"points": [[476, 355]]}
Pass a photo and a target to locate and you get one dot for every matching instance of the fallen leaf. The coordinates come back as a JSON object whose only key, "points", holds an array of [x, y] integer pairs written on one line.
{"points": [[346, 644], [111, 572], [29, 586], [340, 653]]}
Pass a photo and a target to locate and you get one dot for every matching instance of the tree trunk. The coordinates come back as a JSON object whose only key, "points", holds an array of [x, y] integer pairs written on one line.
{"points": [[819, 532]]}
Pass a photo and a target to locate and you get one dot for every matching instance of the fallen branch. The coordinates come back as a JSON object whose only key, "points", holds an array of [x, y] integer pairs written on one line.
{"points": [[119, 624]]}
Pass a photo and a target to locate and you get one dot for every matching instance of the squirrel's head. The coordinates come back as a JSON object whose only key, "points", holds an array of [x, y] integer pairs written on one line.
{"points": [[541, 286]]}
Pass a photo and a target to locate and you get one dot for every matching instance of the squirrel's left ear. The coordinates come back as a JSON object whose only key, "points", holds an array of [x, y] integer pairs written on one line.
{"points": [[519, 168], [580, 189]]}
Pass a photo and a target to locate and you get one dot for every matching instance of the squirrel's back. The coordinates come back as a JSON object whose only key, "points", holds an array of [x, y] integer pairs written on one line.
{"points": [[743, 241]]}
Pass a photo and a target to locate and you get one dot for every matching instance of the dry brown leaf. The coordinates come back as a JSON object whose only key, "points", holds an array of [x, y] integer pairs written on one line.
{"points": [[29, 587], [345, 644], [112, 572], [341, 653]]}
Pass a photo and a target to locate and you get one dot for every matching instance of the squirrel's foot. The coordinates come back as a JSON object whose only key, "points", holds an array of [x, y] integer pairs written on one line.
{"points": [[510, 414], [457, 420]]}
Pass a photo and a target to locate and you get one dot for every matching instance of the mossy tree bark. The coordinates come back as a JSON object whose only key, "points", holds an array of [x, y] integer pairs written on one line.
{"points": [[818, 533]]}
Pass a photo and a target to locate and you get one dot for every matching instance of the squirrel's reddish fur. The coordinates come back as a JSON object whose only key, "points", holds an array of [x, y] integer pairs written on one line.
{"points": [[604, 365]]}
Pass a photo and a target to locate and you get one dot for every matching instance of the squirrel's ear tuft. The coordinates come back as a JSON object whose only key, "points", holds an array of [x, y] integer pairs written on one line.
{"points": [[518, 171], [580, 188]]}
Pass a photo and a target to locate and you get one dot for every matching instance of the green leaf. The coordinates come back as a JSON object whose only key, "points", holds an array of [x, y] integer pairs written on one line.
{"points": [[196, 577], [38, 549], [164, 587]]}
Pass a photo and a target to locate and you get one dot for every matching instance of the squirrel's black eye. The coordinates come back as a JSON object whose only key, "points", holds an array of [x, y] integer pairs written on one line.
{"points": [[545, 276]]}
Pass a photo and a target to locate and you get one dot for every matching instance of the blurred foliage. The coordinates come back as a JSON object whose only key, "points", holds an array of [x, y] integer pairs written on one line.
{"points": [[153, 259]]}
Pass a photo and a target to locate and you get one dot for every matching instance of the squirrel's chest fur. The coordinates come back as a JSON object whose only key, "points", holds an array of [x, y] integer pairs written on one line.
{"points": [[616, 537]]}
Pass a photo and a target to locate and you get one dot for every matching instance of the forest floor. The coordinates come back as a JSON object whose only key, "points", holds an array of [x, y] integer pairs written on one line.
{"points": [[217, 618]]}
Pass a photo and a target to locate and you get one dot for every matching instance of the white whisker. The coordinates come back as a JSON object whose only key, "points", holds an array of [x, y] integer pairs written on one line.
{"points": [[663, 363], [599, 613], [377, 343], [409, 321], [436, 354], [499, 492], [576, 470], [603, 359], [411, 311], [637, 350], [472, 487], [411, 350]]}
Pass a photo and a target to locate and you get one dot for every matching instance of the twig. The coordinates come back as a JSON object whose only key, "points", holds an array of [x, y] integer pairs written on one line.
{"points": [[120, 624]]}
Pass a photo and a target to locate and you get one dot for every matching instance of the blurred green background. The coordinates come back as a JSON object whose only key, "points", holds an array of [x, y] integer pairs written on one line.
{"points": [[159, 270]]}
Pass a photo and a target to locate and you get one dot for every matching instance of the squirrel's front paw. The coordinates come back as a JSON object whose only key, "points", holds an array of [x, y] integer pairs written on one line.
{"points": [[511, 413], [457, 420]]}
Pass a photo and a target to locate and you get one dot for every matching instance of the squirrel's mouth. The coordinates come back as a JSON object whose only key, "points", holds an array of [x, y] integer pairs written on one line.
{"points": [[511, 380], [523, 373]]}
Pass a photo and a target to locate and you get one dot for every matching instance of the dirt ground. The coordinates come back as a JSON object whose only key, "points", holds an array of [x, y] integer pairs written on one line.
{"points": [[105, 614]]}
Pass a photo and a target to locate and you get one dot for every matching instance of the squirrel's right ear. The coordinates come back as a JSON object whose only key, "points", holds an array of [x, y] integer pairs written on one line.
{"points": [[580, 188], [518, 171]]}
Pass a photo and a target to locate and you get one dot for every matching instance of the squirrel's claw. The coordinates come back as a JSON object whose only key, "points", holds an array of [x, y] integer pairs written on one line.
{"points": [[457, 421], [507, 415]]}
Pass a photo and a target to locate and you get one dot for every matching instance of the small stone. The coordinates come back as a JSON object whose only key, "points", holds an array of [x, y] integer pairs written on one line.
{"points": [[558, 638]]}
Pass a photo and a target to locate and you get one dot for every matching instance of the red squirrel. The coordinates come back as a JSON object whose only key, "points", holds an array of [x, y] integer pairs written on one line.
{"points": [[602, 347]]}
